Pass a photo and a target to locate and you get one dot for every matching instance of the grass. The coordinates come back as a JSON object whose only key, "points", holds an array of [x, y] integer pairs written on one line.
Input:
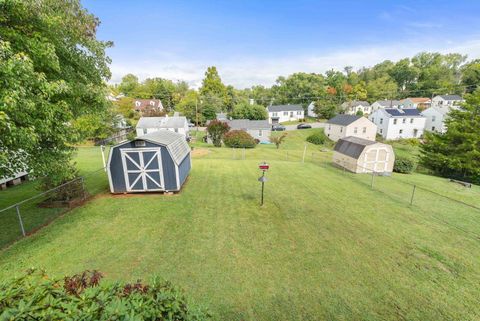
{"points": [[324, 246]]}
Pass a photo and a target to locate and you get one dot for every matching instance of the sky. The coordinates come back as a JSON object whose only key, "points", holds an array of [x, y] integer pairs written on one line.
{"points": [[253, 42]]}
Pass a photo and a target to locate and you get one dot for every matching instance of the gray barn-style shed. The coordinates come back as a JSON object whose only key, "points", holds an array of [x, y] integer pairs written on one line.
{"points": [[158, 161]]}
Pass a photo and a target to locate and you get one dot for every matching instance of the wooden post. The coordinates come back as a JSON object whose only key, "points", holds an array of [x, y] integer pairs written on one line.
{"points": [[20, 220], [373, 175], [102, 148], [413, 194]]}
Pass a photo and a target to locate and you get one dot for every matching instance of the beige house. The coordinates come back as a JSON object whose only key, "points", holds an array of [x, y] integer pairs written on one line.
{"points": [[342, 126], [359, 155]]}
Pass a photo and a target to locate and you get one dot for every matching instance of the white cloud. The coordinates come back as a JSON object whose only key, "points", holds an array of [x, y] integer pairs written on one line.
{"points": [[246, 71]]}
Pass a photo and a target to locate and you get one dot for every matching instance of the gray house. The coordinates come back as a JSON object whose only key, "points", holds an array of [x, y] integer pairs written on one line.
{"points": [[159, 161], [258, 129]]}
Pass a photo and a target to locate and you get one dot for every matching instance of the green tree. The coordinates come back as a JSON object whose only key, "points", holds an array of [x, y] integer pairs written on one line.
{"points": [[212, 84], [456, 153], [298, 88], [245, 110], [189, 106], [216, 129], [52, 71], [382, 88], [325, 108], [471, 75], [129, 86]]}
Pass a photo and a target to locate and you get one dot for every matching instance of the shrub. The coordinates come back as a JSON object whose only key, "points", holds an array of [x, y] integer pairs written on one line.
{"points": [[404, 165], [35, 296], [238, 139], [278, 140], [216, 130], [317, 138]]}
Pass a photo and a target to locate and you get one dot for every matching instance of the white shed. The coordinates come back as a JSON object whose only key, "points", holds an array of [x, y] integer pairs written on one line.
{"points": [[360, 155]]}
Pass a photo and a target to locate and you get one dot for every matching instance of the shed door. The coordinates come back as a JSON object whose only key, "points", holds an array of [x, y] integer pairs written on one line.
{"points": [[142, 168]]}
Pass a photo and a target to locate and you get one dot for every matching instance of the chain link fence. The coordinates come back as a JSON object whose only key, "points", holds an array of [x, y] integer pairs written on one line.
{"points": [[29, 215]]}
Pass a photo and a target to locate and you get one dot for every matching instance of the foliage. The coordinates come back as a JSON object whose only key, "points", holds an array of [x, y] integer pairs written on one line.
{"points": [[245, 110], [278, 139], [238, 139], [404, 165], [359, 113], [216, 130], [325, 108], [317, 138], [36, 296], [212, 84], [471, 75], [52, 72], [456, 153], [189, 106]]}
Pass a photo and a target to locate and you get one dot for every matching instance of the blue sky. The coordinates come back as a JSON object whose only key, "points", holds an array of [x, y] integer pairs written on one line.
{"points": [[254, 42]]}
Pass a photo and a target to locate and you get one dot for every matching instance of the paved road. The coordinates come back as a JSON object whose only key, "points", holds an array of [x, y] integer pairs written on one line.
{"points": [[314, 125]]}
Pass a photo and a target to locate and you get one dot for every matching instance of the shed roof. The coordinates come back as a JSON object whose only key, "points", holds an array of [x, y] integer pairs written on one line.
{"points": [[388, 102], [352, 146], [246, 124], [285, 108], [174, 142], [451, 97], [343, 120], [162, 122], [407, 112]]}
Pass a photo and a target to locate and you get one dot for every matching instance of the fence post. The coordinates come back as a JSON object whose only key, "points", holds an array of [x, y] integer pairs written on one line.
{"points": [[102, 148], [20, 220], [413, 194], [287, 155], [233, 153], [304, 151], [83, 188], [243, 153], [373, 175]]}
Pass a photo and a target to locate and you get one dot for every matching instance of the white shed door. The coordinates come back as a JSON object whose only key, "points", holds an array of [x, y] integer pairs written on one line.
{"points": [[142, 168]]}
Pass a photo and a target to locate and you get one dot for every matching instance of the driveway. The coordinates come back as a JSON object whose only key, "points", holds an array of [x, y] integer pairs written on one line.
{"points": [[314, 125]]}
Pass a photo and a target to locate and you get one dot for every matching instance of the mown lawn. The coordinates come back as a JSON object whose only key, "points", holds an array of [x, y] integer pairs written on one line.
{"points": [[324, 246]]}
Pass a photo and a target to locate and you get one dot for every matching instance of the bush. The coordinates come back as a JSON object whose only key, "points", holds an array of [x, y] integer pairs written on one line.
{"points": [[238, 139], [35, 296], [404, 165], [216, 130], [317, 138]]}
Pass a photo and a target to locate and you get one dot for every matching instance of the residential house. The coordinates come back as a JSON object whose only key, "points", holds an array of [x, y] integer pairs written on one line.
{"points": [[282, 113], [435, 119], [147, 125], [420, 103], [342, 126], [221, 116], [386, 103], [356, 106], [447, 102], [311, 110], [258, 129], [145, 105], [396, 123], [360, 155]]}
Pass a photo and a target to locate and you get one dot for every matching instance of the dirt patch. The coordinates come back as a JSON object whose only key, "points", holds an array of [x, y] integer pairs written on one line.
{"points": [[199, 152]]}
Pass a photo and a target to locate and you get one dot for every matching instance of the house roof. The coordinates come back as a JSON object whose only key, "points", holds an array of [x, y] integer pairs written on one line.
{"points": [[352, 146], [451, 97], [246, 124], [388, 102], [285, 108], [148, 103], [418, 99], [162, 122], [434, 109], [396, 112], [221, 116], [356, 103], [174, 142], [343, 120]]}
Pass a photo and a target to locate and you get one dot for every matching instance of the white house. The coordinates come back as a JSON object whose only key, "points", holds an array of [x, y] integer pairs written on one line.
{"points": [[416, 102], [258, 129], [447, 102], [311, 110], [147, 125], [435, 120], [386, 103], [282, 113], [342, 126], [353, 107], [395, 123]]}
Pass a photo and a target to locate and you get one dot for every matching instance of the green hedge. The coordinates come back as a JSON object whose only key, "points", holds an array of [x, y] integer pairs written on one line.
{"points": [[404, 165], [238, 139], [35, 296], [317, 138]]}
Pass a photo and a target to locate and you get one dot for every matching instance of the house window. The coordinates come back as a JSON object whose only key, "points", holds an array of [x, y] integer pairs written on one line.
{"points": [[381, 131], [275, 114], [394, 121], [144, 131], [400, 131], [260, 133], [285, 113], [341, 129], [373, 119], [433, 118], [411, 120], [299, 112], [355, 130], [415, 132], [176, 130], [291, 114], [381, 121], [364, 130], [433, 128], [404, 120]]}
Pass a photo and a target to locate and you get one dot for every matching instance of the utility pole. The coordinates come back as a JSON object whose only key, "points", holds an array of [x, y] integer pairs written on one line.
{"points": [[196, 113]]}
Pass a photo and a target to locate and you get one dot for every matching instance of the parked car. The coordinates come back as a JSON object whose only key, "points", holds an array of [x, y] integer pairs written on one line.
{"points": [[303, 126], [191, 125], [278, 127]]}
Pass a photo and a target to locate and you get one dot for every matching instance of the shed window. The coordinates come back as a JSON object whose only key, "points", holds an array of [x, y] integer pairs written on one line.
{"points": [[364, 130], [260, 133], [144, 131], [140, 143], [341, 129]]}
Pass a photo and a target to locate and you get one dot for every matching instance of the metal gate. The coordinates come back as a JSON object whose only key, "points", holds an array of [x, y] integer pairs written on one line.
{"points": [[142, 169]]}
